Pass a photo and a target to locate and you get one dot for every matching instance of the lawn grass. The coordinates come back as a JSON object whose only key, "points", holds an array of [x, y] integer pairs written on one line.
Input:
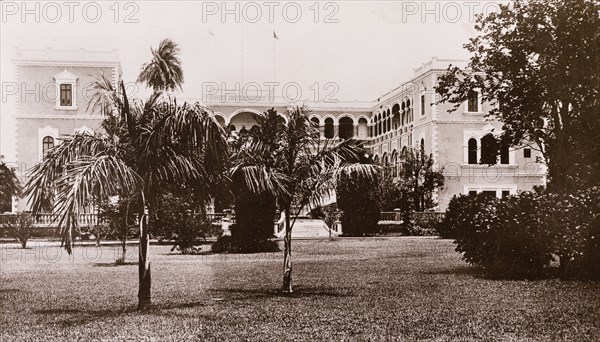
{"points": [[347, 289]]}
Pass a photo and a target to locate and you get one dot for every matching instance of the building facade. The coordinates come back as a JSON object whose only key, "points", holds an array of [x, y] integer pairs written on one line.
{"points": [[407, 117], [55, 88]]}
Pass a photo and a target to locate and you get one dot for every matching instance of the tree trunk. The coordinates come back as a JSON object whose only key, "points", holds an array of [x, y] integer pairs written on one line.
{"points": [[287, 255], [125, 229], [98, 235], [144, 293]]}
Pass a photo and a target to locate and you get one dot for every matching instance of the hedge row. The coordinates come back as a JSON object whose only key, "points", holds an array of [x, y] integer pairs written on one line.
{"points": [[518, 236]]}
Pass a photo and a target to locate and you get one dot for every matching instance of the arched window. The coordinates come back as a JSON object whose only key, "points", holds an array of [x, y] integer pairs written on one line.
{"points": [[315, 121], [47, 143], [379, 125], [396, 115], [472, 151], [409, 111], [346, 128], [489, 149], [363, 130], [329, 128]]}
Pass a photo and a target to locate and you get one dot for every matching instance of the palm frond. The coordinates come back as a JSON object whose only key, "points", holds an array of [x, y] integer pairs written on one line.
{"points": [[85, 178], [41, 186]]}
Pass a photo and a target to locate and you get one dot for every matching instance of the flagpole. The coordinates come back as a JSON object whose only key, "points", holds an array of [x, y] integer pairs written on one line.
{"points": [[209, 55], [242, 51], [274, 77]]}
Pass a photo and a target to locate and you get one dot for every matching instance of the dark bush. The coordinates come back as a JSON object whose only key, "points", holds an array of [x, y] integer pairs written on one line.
{"points": [[573, 220], [459, 213], [406, 230], [19, 227], [357, 199], [502, 236]]}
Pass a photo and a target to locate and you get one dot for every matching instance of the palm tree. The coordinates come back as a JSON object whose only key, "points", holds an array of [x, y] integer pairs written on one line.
{"points": [[296, 167], [147, 146], [164, 72], [9, 182]]}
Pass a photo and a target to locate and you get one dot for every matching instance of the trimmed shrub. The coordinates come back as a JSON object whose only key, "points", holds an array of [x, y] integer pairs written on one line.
{"points": [[502, 236], [518, 236], [357, 199]]}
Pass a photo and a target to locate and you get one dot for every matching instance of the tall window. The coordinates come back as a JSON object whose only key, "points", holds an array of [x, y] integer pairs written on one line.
{"points": [[423, 104], [472, 151], [422, 148], [489, 149], [526, 153], [504, 159], [66, 95], [329, 128], [346, 128], [473, 101], [47, 143]]}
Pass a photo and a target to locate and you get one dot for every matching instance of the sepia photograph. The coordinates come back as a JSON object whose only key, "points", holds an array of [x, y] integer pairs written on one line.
{"points": [[348, 170]]}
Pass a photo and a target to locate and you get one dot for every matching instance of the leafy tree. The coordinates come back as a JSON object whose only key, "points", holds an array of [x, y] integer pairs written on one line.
{"points": [[296, 167], [118, 220], [9, 185], [538, 62], [149, 147], [19, 227]]}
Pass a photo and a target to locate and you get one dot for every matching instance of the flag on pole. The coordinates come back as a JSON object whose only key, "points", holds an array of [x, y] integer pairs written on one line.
{"points": [[275, 35]]}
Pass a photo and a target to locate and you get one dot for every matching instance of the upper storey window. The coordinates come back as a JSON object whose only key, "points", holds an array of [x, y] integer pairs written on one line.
{"points": [[66, 85], [473, 105], [66, 95]]}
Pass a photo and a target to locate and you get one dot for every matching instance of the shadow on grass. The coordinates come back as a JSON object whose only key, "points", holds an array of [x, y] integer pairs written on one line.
{"points": [[299, 292], [457, 270], [74, 317], [479, 273], [114, 264], [69, 317]]}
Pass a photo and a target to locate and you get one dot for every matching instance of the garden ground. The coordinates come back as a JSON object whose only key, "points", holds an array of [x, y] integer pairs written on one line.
{"points": [[347, 289]]}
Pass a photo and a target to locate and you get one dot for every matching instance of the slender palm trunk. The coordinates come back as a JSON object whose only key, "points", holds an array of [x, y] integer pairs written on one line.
{"points": [[287, 254], [125, 229], [144, 293]]}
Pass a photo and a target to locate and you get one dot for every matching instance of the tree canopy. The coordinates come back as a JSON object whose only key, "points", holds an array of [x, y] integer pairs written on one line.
{"points": [[538, 62]]}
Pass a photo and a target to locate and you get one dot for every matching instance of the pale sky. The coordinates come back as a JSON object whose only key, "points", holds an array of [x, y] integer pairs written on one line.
{"points": [[365, 48]]}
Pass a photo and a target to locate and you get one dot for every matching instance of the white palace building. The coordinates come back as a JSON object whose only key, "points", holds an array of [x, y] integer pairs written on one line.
{"points": [[55, 89]]}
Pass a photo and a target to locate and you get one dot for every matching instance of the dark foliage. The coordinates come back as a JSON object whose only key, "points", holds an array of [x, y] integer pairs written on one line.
{"points": [[182, 221], [503, 236], [231, 244], [538, 63], [518, 236], [357, 198], [19, 227]]}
